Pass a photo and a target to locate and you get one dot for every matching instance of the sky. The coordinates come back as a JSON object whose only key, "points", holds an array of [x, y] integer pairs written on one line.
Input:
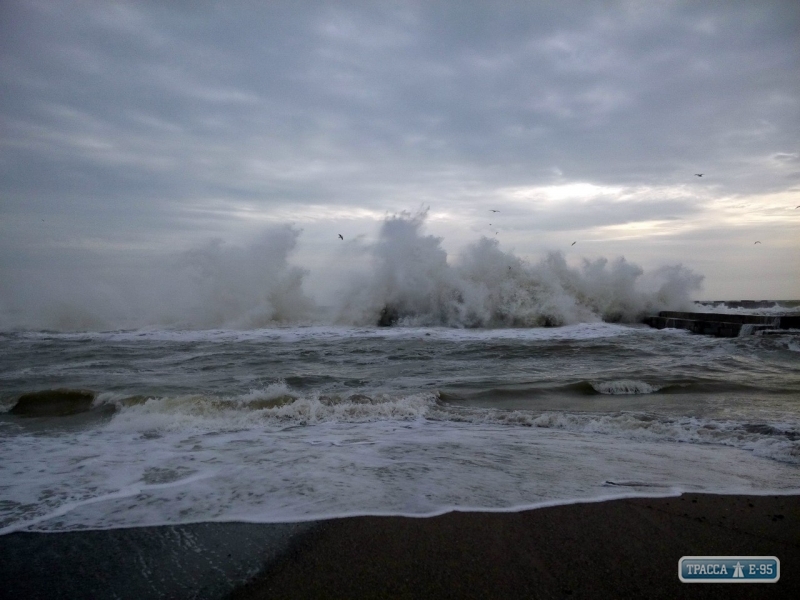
{"points": [[132, 130]]}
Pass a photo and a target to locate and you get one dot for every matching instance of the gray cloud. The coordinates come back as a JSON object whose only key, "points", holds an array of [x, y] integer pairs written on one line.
{"points": [[128, 120]]}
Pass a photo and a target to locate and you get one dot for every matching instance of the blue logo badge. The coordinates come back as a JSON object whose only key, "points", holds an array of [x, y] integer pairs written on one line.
{"points": [[729, 569]]}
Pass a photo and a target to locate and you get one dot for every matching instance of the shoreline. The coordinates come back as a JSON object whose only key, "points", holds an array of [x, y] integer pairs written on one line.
{"points": [[622, 548]]}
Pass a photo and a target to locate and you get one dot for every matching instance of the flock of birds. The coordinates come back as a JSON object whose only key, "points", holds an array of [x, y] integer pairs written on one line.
{"points": [[492, 210]]}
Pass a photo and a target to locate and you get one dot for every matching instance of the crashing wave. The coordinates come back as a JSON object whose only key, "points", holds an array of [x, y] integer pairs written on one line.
{"points": [[412, 282]]}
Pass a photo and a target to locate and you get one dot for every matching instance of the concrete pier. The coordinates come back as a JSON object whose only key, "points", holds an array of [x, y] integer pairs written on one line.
{"points": [[721, 324], [753, 304]]}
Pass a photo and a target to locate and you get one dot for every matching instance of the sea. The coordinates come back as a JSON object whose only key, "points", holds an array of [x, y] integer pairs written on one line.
{"points": [[483, 382], [299, 423]]}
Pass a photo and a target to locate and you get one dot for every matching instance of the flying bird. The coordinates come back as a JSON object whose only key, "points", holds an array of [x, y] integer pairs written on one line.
{"points": [[796, 207], [754, 243], [340, 236], [573, 243], [698, 174], [492, 210]]}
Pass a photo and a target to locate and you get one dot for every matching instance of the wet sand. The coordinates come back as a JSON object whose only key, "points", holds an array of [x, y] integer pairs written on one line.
{"points": [[614, 549]]}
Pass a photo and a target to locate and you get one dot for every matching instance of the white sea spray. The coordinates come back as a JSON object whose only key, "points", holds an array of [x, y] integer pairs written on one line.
{"points": [[240, 286], [411, 281]]}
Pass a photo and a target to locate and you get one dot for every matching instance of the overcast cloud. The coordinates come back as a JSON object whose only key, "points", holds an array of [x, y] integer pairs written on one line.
{"points": [[140, 127]]}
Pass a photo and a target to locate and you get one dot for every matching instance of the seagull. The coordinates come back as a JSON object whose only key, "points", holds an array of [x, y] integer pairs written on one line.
{"points": [[754, 243], [573, 243], [698, 174], [340, 236], [492, 210]]}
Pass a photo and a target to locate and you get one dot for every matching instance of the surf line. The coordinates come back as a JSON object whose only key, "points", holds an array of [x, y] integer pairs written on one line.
{"points": [[126, 492]]}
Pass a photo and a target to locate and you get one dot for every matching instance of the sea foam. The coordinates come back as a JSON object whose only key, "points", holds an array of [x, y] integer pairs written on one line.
{"points": [[418, 468]]}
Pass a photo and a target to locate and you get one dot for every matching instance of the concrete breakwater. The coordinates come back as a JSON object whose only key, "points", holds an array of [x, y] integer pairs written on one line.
{"points": [[753, 304], [721, 324]]}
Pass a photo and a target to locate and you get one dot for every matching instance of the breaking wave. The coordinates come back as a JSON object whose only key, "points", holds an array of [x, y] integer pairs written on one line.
{"points": [[211, 285], [411, 282], [279, 406], [276, 405], [624, 387]]}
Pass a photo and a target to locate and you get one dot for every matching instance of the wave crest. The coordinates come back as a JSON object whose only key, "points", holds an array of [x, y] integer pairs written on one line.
{"points": [[275, 405], [624, 387]]}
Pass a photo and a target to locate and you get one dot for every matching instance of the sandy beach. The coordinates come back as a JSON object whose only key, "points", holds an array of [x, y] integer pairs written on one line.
{"points": [[615, 549]]}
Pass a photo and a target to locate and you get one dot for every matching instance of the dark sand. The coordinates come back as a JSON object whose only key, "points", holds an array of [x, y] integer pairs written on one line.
{"points": [[615, 549]]}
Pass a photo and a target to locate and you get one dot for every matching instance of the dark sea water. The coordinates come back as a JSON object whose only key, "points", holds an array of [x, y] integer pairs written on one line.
{"points": [[300, 423]]}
